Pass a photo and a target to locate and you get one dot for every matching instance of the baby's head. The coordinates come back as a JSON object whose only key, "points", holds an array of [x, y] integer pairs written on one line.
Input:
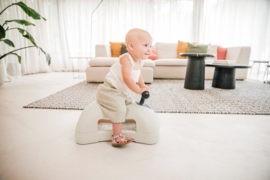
{"points": [[139, 43]]}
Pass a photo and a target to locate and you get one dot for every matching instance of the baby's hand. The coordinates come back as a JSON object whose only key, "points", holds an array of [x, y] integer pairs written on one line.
{"points": [[144, 88]]}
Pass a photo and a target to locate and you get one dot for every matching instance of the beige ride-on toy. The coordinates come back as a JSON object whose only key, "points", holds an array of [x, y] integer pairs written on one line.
{"points": [[141, 124]]}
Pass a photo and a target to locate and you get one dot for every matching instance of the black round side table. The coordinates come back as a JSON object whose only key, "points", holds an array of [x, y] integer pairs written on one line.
{"points": [[224, 75], [195, 70]]}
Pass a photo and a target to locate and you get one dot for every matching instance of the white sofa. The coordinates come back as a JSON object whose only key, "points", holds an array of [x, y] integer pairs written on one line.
{"points": [[167, 65]]}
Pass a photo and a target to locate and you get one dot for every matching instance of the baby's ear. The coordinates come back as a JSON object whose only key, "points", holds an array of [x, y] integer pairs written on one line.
{"points": [[130, 46]]}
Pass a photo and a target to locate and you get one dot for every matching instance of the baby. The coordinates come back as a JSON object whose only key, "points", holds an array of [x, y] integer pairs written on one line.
{"points": [[123, 79]]}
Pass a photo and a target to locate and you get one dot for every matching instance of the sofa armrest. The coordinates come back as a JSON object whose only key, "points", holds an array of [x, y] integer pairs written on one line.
{"points": [[244, 56], [240, 53], [148, 63], [103, 50]]}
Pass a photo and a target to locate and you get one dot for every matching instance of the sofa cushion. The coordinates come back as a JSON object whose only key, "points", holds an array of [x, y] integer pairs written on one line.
{"points": [[175, 62], [116, 48], [233, 54], [221, 53], [149, 63], [103, 50], [153, 54], [171, 62], [102, 61], [108, 62], [196, 48], [123, 49], [166, 50], [212, 49], [181, 48]]}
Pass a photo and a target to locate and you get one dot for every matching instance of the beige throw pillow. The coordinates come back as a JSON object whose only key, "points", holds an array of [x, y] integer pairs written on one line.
{"points": [[212, 49]]}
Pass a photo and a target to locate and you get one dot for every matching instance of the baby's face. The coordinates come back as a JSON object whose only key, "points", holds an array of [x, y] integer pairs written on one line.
{"points": [[142, 46]]}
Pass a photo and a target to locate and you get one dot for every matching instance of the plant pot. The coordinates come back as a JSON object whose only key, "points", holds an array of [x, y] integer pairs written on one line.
{"points": [[2, 75]]}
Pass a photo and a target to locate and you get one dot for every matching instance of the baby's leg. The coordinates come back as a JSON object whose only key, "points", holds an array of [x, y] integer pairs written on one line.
{"points": [[112, 104], [117, 128]]}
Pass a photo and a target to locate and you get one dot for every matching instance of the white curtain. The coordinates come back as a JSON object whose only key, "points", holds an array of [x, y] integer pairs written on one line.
{"points": [[67, 31], [238, 23]]}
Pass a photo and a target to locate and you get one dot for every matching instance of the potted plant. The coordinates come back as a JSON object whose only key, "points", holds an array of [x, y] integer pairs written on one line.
{"points": [[4, 30]]}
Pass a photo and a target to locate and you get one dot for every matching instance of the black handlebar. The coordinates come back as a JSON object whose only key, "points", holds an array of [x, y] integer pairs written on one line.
{"points": [[145, 95]]}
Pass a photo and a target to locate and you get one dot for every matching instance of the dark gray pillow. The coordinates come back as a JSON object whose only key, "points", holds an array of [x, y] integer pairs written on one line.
{"points": [[123, 49]]}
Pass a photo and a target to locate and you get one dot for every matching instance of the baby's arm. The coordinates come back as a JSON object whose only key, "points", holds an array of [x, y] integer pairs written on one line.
{"points": [[126, 73], [141, 83]]}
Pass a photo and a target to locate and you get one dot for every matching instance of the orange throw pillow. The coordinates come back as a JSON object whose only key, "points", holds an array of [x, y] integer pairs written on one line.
{"points": [[182, 48], [116, 48], [221, 53], [153, 55]]}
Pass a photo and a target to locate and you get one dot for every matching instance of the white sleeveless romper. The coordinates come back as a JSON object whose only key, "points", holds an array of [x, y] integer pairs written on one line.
{"points": [[113, 95]]}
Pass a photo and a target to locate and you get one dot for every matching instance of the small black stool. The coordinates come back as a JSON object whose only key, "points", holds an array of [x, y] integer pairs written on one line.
{"points": [[195, 70], [224, 76]]}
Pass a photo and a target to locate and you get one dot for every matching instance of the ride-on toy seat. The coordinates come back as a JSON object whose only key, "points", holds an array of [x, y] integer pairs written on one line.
{"points": [[141, 124]]}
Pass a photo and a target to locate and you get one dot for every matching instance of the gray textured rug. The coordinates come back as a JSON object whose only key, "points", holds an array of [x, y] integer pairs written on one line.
{"points": [[169, 96]]}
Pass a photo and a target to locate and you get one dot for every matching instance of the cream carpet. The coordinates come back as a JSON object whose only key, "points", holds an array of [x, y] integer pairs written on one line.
{"points": [[169, 96]]}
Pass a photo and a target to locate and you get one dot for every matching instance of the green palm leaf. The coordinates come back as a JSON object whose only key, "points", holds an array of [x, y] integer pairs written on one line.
{"points": [[20, 21], [2, 32], [27, 35], [42, 50], [29, 11], [19, 57], [8, 42], [47, 55]]}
